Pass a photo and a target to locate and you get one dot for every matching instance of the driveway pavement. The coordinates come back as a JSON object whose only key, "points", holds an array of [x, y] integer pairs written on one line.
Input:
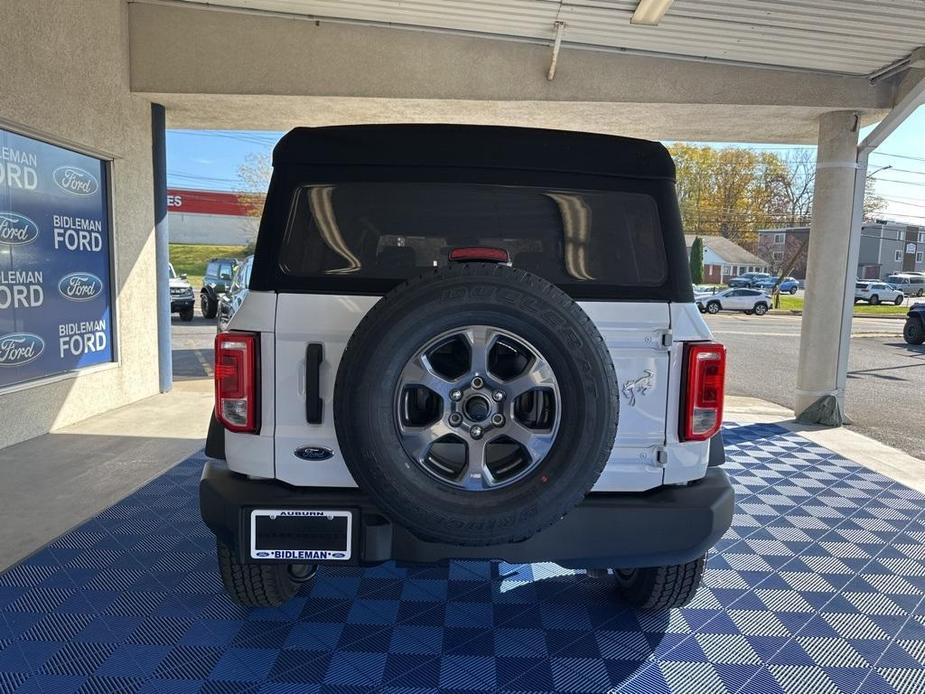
{"points": [[886, 376]]}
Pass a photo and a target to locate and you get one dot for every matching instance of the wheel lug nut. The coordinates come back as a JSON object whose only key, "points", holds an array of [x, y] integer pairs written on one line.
{"points": [[477, 382], [497, 419], [455, 395], [498, 396], [455, 419], [476, 432]]}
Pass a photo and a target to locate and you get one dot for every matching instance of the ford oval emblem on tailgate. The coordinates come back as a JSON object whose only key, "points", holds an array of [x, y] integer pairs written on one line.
{"points": [[314, 453]]}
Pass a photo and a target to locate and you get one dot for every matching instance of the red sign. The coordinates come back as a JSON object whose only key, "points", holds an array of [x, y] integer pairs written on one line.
{"points": [[205, 202]]}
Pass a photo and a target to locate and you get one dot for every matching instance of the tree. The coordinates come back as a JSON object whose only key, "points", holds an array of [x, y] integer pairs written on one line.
{"points": [[254, 175], [726, 191], [696, 261], [873, 203]]}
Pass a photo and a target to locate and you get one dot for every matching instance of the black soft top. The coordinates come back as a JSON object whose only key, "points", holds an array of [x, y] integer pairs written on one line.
{"points": [[475, 146]]}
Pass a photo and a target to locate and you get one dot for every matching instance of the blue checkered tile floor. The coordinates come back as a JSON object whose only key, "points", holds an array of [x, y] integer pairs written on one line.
{"points": [[817, 587]]}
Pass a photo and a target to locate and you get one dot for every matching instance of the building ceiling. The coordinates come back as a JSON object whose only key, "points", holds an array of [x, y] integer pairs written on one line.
{"points": [[855, 37]]}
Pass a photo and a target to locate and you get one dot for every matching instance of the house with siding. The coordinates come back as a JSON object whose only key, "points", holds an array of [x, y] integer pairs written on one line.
{"points": [[724, 259], [886, 247]]}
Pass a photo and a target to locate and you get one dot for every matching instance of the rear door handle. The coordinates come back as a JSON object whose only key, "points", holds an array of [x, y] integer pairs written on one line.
{"points": [[314, 405]]}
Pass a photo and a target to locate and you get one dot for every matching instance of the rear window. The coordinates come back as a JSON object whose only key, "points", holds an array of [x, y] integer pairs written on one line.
{"points": [[397, 230]]}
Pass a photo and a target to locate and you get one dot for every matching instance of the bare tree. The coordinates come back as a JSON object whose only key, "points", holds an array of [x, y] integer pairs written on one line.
{"points": [[254, 175]]}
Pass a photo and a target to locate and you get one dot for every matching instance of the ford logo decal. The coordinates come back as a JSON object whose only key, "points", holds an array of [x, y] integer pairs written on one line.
{"points": [[17, 349], [80, 286], [75, 180], [314, 453], [17, 229]]}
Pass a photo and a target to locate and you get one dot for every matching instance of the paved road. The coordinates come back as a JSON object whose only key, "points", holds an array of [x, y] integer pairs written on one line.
{"points": [[192, 347], [886, 386], [886, 390]]}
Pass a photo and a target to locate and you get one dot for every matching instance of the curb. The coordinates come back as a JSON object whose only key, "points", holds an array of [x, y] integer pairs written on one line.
{"points": [[798, 312]]}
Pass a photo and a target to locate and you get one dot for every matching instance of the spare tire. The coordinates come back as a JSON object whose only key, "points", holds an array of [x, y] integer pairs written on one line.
{"points": [[476, 404]]}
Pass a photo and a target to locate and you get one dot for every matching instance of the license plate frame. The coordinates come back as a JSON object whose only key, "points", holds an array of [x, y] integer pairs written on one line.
{"points": [[301, 554]]}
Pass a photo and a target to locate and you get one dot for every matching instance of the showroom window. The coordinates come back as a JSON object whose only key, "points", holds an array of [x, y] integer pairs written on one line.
{"points": [[55, 291]]}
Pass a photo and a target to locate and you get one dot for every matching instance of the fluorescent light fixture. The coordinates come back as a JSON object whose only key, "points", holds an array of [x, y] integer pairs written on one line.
{"points": [[650, 12]]}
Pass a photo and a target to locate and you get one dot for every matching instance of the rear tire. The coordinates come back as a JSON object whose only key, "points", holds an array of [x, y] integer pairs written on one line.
{"points": [[713, 307], [874, 300], [660, 587], [208, 306], [914, 331], [259, 585]]}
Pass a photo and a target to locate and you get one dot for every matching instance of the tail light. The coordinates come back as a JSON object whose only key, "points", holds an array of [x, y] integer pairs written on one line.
{"points": [[705, 379], [236, 381]]}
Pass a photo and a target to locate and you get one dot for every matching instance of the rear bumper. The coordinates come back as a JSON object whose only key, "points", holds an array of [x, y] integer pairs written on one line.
{"points": [[669, 525]]}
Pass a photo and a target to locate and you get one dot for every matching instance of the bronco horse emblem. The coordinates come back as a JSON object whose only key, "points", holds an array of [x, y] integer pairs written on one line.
{"points": [[641, 385]]}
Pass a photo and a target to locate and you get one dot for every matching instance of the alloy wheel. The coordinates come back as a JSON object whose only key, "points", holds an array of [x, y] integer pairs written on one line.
{"points": [[478, 407]]}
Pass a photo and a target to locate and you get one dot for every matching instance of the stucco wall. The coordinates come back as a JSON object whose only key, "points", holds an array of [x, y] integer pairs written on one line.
{"points": [[65, 77]]}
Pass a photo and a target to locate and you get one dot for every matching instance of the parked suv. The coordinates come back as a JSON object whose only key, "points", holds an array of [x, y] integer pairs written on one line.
{"points": [[876, 293], [788, 285], [230, 301], [749, 279], [181, 295], [748, 301], [914, 329], [909, 283], [219, 272], [465, 342]]}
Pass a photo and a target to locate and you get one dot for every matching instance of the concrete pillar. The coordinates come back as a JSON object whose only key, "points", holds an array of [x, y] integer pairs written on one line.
{"points": [[161, 246], [819, 399]]}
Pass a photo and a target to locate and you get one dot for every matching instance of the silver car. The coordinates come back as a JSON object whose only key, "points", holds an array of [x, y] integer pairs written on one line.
{"points": [[748, 301], [877, 293]]}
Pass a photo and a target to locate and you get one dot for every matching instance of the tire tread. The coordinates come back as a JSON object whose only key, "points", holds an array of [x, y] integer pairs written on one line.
{"points": [[663, 587], [254, 585], [366, 332]]}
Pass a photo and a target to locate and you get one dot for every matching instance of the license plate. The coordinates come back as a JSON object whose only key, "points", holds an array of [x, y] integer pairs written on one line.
{"points": [[301, 535]]}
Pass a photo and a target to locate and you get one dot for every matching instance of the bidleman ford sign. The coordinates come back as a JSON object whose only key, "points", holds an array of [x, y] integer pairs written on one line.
{"points": [[55, 292]]}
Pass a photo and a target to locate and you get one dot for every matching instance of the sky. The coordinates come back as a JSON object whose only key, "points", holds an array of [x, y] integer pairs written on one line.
{"points": [[210, 160]]}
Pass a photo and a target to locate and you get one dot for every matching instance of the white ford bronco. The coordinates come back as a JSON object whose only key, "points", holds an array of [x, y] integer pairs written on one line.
{"points": [[467, 342]]}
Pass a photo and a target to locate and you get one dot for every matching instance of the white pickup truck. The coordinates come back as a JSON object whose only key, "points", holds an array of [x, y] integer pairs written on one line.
{"points": [[468, 342]]}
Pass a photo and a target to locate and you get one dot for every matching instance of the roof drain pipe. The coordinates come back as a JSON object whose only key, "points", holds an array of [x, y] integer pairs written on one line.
{"points": [[560, 27]]}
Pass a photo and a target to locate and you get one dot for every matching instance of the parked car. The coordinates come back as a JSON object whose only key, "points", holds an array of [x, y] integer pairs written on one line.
{"points": [[417, 373], [181, 295], [789, 285], [909, 283], [230, 301], [748, 301], [877, 293], [914, 329], [748, 279], [215, 282]]}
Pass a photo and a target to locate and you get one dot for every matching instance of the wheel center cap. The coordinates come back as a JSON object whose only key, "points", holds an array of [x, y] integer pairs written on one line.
{"points": [[477, 408]]}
